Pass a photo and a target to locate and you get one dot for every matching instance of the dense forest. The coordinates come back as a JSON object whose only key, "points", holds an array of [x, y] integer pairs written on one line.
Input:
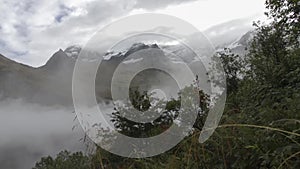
{"points": [[260, 127]]}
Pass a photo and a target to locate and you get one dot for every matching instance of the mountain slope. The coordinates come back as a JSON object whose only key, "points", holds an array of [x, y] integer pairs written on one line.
{"points": [[39, 85]]}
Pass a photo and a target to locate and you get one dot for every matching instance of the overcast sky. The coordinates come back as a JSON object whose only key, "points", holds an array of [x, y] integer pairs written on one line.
{"points": [[31, 31]]}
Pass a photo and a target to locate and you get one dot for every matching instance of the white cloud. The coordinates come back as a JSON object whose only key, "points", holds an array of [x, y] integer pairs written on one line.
{"points": [[31, 31], [206, 13]]}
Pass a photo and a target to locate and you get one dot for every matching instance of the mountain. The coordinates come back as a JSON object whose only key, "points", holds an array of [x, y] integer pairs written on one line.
{"points": [[15, 78], [48, 84], [51, 84], [227, 33], [109, 65], [240, 46]]}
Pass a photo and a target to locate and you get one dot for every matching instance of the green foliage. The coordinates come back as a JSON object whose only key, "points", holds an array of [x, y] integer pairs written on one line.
{"points": [[233, 66], [141, 101], [64, 160], [286, 16]]}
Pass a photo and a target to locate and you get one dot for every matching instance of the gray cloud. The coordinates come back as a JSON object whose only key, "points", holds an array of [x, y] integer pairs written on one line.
{"points": [[36, 29]]}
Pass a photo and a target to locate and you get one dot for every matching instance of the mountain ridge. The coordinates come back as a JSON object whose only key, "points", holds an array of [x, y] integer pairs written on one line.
{"points": [[51, 83]]}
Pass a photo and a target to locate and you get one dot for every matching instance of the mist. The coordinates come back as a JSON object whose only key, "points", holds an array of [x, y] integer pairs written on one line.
{"points": [[31, 131]]}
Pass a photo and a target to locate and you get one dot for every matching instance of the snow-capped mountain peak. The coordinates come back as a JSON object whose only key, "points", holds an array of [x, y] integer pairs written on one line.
{"points": [[73, 51]]}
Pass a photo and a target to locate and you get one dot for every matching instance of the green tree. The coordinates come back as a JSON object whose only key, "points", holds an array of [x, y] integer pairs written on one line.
{"points": [[64, 160], [286, 16]]}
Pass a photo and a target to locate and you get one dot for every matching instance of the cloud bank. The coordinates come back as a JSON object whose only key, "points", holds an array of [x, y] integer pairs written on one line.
{"points": [[30, 131]]}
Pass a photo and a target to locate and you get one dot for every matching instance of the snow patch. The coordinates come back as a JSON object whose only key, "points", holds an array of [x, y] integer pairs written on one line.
{"points": [[133, 61]]}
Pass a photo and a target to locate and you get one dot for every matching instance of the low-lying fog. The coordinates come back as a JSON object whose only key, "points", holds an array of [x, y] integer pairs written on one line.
{"points": [[30, 131]]}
